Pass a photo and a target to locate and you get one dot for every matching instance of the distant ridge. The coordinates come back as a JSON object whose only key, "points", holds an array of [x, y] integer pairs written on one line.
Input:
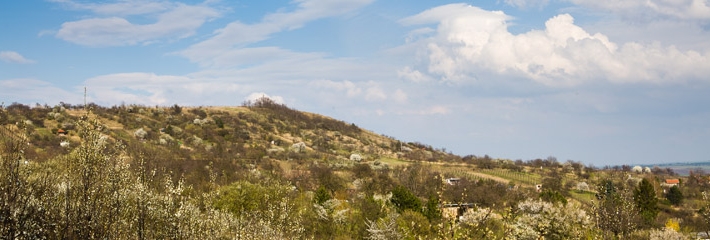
{"points": [[682, 168]]}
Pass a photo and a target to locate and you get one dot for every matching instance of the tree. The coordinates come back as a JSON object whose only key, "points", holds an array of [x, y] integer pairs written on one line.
{"points": [[552, 181], [432, 211], [614, 212], [675, 196], [544, 220], [322, 195], [552, 197], [404, 199], [22, 214], [646, 201], [176, 109]]}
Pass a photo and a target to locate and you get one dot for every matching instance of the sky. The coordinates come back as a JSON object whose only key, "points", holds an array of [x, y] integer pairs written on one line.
{"points": [[603, 82]]}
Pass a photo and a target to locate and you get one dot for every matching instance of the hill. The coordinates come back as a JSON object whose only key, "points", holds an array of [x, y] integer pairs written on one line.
{"points": [[263, 170]]}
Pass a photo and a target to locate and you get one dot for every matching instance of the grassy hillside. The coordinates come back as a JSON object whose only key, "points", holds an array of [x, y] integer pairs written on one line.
{"points": [[263, 170]]}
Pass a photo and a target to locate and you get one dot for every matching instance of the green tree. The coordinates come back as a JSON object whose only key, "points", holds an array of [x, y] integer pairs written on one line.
{"points": [[552, 196], [432, 210], [675, 196], [177, 109], [404, 199], [646, 201], [321, 195]]}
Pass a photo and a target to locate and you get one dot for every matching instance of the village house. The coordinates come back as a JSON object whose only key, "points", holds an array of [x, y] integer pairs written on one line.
{"points": [[670, 182]]}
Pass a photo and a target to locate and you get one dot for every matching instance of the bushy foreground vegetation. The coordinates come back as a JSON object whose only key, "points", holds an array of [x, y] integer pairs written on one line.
{"points": [[265, 171]]}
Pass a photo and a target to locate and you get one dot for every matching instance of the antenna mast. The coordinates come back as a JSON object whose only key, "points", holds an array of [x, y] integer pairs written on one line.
{"points": [[85, 109]]}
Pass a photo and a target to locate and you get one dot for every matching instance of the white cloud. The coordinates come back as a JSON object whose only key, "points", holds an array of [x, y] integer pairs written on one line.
{"points": [[682, 9], [430, 110], [229, 40], [138, 88], [413, 75], [351, 90], [121, 7], [192, 89], [173, 21], [399, 96], [527, 3], [14, 57], [375, 93], [28, 90], [469, 40]]}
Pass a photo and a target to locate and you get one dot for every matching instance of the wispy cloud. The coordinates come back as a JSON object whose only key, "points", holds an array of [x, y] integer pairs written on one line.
{"points": [[14, 57], [120, 7], [172, 21], [684, 9], [527, 3], [230, 40], [29, 90]]}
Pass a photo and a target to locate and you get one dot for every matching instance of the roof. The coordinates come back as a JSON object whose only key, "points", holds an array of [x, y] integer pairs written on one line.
{"points": [[672, 181]]}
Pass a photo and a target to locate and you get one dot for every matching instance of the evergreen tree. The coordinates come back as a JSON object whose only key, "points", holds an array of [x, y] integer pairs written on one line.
{"points": [[404, 199], [646, 201], [432, 210], [675, 196], [322, 195]]}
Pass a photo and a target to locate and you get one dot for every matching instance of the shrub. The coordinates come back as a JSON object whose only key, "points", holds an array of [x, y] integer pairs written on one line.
{"points": [[403, 199]]}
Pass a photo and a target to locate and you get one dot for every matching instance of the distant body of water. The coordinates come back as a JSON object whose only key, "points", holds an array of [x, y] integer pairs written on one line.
{"points": [[684, 169]]}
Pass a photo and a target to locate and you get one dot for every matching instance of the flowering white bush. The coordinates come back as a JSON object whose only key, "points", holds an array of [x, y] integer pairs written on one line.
{"points": [[384, 228], [332, 210], [140, 134], [298, 147], [540, 219], [666, 234], [582, 186], [201, 122]]}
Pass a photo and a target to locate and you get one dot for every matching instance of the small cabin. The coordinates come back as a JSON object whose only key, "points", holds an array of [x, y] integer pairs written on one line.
{"points": [[671, 182], [61, 132], [453, 181]]}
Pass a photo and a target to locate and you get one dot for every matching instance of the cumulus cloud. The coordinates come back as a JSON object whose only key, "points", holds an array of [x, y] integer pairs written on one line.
{"points": [[469, 40], [413, 75], [14, 57], [172, 21]]}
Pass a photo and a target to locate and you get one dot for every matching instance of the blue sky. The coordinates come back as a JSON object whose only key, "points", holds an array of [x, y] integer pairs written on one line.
{"points": [[599, 81]]}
